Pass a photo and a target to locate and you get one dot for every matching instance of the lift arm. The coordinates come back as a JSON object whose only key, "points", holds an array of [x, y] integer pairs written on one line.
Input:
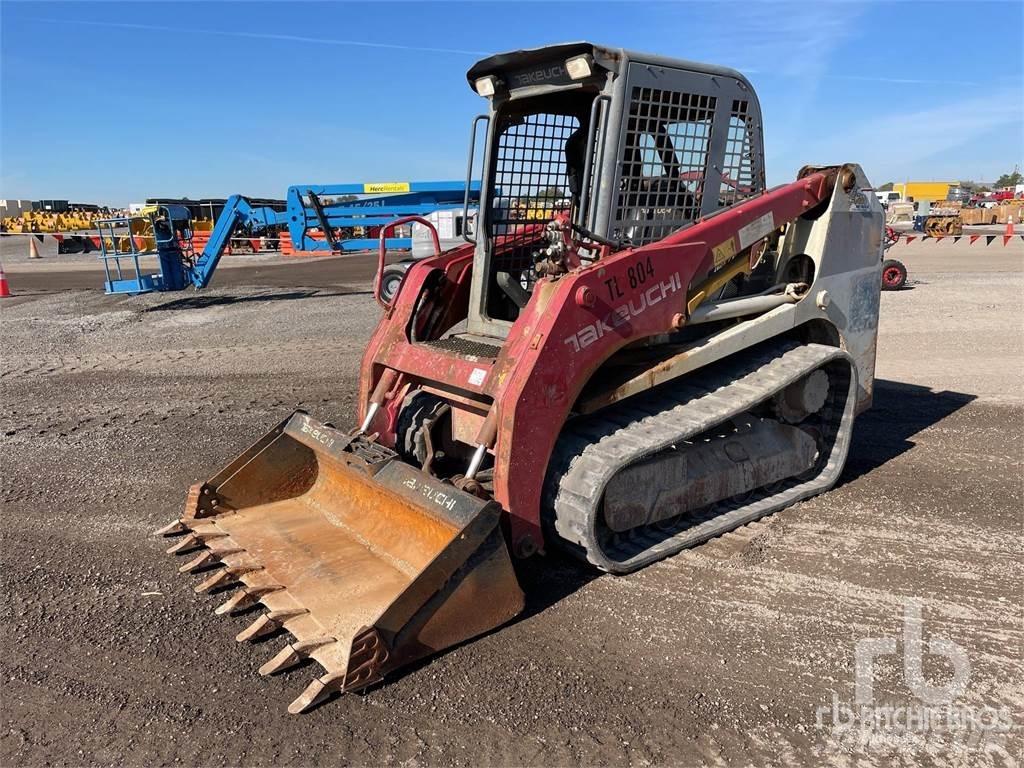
{"points": [[307, 208], [237, 210], [416, 199], [178, 268]]}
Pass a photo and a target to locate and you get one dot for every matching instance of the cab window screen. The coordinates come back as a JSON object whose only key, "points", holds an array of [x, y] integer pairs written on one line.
{"points": [[530, 183], [663, 163], [738, 166], [530, 175]]}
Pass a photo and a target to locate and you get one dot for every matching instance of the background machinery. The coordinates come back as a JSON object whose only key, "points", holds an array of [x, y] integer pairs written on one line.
{"points": [[894, 272], [331, 218], [939, 221], [669, 352]]}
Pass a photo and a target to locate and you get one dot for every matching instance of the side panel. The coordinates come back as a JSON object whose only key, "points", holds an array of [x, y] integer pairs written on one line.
{"points": [[845, 244]]}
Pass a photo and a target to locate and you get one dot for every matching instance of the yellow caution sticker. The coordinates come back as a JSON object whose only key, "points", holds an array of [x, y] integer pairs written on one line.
{"points": [[723, 252], [375, 188]]}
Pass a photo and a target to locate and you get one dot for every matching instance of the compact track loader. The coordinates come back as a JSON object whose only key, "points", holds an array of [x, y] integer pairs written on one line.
{"points": [[641, 348]]}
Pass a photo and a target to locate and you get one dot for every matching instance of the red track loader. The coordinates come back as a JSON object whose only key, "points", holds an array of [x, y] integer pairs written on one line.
{"points": [[640, 348]]}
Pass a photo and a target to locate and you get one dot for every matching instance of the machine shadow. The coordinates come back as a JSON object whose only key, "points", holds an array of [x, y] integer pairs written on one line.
{"points": [[543, 583], [555, 580], [205, 301], [899, 412]]}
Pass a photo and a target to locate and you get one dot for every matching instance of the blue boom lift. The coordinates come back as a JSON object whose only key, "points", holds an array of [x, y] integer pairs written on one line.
{"points": [[164, 231]]}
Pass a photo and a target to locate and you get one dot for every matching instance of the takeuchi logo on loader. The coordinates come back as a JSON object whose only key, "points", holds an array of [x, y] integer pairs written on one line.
{"points": [[623, 313]]}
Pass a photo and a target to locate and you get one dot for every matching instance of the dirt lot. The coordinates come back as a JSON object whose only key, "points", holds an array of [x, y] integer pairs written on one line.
{"points": [[738, 652]]}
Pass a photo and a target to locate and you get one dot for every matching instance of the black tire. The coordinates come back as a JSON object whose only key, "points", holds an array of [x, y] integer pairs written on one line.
{"points": [[894, 275], [417, 408], [391, 280]]}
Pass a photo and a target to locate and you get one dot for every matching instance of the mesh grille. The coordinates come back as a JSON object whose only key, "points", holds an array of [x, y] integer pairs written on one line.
{"points": [[664, 162], [738, 165], [461, 346], [530, 176]]}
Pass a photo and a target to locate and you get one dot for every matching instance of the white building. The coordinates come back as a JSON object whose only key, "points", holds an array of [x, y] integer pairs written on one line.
{"points": [[14, 207]]}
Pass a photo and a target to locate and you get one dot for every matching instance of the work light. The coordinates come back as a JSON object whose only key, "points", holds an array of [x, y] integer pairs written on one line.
{"points": [[579, 67], [486, 86]]}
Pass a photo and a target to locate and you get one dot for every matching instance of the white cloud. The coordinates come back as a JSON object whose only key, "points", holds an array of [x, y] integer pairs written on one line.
{"points": [[901, 80], [263, 36], [784, 39], [896, 144]]}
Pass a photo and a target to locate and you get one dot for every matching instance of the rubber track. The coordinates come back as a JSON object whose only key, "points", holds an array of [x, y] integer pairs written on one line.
{"points": [[592, 449]]}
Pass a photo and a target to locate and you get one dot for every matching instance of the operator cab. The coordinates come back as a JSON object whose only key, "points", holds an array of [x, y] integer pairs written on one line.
{"points": [[589, 149]]}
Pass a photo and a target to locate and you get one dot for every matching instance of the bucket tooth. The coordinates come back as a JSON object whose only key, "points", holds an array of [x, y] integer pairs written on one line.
{"points": [[208, 534], [240, 600], [202, 559], [292, 654], [223, 576], [186, 543], [267, 623], [245, 597], [286, 613], [286, 657], [262, 626], [226, 576], [317, 691], [174, 528]]}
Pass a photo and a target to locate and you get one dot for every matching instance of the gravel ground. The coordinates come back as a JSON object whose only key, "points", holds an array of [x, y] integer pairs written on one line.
{"points": [[738, 652]]}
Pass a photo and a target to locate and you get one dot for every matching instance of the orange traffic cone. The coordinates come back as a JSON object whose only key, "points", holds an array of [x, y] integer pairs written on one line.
{"points": [[33, 249], [1008, 235], [5, 289]]}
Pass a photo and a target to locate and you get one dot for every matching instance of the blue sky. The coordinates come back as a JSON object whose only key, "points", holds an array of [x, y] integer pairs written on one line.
{"points": [[111, 103]]}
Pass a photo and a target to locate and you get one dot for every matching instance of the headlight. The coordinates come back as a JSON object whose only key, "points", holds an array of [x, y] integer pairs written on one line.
{"points": [[579, 67], [485, 86]]}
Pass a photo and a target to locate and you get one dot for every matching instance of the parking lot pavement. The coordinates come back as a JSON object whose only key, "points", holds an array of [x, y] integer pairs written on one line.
{"points": [[740, 651]]}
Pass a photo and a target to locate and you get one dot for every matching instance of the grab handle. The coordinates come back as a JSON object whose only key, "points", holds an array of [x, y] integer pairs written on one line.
{"points": [[382, 253]]}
